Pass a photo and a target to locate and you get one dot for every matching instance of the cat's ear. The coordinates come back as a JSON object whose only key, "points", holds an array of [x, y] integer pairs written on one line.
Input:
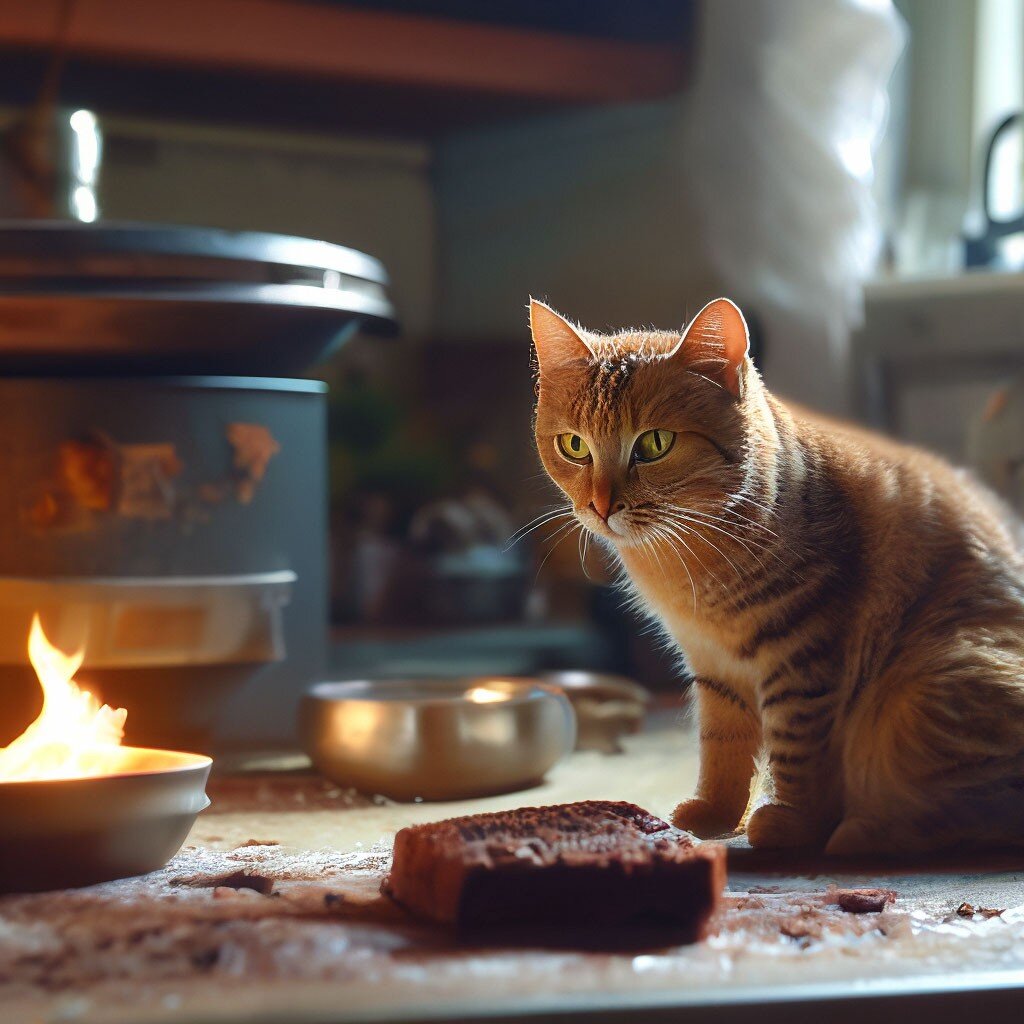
{"points": [[716, 345], [556, 340]]}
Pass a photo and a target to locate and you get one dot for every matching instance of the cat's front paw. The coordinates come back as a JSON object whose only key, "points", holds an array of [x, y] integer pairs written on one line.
{"points": [[856, 837], [777, 827], [704, 819]]}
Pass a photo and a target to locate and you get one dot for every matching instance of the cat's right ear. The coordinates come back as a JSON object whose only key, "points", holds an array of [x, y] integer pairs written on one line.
{"points": [[557, 342]]}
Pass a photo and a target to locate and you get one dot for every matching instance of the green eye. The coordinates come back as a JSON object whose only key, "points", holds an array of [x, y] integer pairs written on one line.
{"points": [[572, 446], [653, 445]]}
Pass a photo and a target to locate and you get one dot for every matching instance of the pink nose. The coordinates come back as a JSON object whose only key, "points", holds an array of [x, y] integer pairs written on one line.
{"points": [[606, 508]]}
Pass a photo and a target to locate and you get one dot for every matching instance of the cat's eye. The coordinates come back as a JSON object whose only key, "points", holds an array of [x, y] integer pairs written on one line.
{"points": [[653, 445], [572, 446]]}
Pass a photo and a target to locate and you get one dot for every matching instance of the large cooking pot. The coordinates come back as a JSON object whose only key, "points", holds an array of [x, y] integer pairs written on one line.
{"points": [[175, 527], [173, 524]]}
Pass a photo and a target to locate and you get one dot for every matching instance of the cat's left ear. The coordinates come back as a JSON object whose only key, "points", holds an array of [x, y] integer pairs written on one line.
{"points": [[716, 345]]}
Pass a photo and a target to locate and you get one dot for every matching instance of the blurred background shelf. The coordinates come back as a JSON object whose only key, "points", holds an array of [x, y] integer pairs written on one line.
{"points": [[513, 649]]}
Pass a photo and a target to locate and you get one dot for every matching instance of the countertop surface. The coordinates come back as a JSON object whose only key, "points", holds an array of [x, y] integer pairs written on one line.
{"points": [[272, 912]]}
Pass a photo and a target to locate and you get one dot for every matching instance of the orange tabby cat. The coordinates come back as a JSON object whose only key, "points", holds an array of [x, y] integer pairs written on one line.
{"points": [[850, 606]]}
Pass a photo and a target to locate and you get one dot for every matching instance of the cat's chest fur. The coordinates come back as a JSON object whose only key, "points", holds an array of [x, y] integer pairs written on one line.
{"points": [[708, 653], [707, 648]]}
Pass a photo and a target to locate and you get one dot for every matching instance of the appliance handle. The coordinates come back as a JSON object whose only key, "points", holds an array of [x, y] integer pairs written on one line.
{"points": [[143, 622]]}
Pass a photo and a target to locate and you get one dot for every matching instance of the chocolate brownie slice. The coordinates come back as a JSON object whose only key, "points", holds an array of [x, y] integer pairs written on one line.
{"points": [[591, 863]]}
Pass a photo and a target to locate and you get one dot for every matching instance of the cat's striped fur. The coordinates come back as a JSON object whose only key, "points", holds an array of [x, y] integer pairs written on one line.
{"points": [[849, 606]]}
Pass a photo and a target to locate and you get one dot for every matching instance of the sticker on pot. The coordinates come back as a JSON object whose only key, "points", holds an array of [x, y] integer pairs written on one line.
{"points": [[95, 476], [253, 446], [148, 474], [89, 472]]}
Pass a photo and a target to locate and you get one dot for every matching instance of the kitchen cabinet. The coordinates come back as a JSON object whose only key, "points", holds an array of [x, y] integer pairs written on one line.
{"points": [[932, 352]]}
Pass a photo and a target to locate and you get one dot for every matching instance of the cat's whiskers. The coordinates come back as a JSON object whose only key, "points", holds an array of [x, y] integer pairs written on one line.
{"points": [[731, 517], [753, 523], [645, 544], [566, 530], [664, 537], [676, 531], [687, 524], [750, 501], [584, 538], [696, 523], [696, 517], [742, 525], [562, 528], [778, 544], [536, 523]]}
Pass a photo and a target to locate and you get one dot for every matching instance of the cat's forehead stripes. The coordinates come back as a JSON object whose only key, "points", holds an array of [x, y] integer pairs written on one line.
{"points": [[600, 398]]}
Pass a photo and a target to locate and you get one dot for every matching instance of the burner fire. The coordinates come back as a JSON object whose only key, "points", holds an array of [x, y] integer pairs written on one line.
{"points": [[77, 806], [74, 736]]}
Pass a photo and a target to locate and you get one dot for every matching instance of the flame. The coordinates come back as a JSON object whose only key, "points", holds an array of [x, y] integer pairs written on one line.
{"points": [[74, 736]]}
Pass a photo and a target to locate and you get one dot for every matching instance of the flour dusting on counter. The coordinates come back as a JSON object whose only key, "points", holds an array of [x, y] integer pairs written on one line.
{"points": [[324, 938]]}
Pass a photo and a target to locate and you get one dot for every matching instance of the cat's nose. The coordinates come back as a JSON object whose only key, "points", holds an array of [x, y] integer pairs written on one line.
{"points": [[607, 508], [601, 497]]}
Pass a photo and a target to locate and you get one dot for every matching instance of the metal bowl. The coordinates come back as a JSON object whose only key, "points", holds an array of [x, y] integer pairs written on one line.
{"points": [[607, 707], [61, 833], [408, 738], [598, 686]]}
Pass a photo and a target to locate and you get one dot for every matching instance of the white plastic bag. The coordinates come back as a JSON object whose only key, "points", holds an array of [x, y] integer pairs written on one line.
{"points": [[789, 103]]}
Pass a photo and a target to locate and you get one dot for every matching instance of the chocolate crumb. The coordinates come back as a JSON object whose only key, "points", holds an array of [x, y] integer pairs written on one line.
{"points": [[205, 959], [333, 899], [967, 910], [864, 901], [800, 929], [234, 881]]}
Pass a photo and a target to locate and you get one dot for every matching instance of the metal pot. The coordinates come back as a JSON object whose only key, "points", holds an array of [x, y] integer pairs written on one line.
{"points": [[175, 527]]}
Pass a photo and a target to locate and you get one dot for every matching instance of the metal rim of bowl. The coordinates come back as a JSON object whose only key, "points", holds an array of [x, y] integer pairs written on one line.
{"points": [[580, 682], [188, 762], [446, 690]]}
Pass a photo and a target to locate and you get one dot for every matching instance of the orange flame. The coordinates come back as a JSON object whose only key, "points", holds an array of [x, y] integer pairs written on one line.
{"points": [[74, 736]]}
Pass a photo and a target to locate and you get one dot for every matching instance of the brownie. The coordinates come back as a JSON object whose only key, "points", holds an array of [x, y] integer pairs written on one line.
{"points": [[595, 863]]}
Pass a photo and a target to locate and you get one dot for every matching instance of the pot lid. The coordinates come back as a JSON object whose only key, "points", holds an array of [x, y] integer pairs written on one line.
{"points": [[125, 298]]}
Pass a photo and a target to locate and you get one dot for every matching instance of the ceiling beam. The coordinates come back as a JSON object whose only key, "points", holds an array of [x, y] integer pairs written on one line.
{"points": [[331, 42]]}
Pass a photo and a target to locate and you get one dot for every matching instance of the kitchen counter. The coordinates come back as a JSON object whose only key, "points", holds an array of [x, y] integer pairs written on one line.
{"points": [[271, 912]]}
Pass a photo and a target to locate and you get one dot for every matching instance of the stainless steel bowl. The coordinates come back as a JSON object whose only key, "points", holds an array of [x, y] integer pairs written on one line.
{"points": [[409, 738], [60, 833], [607, 707]]}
